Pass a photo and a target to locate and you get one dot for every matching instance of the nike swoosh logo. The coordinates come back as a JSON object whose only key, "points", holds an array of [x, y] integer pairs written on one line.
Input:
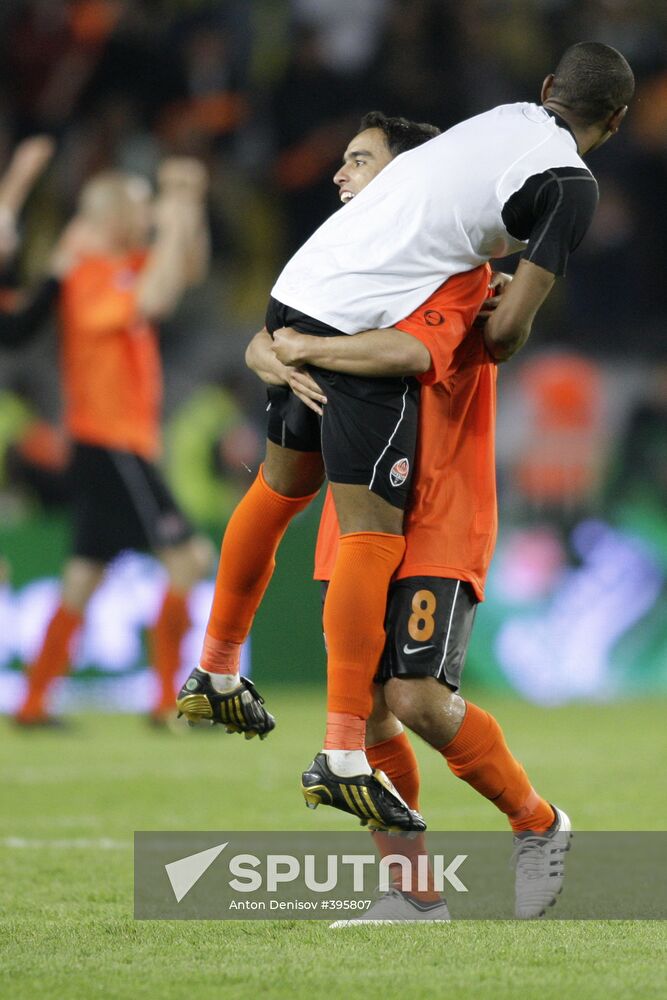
{"points": [[417, 649]]}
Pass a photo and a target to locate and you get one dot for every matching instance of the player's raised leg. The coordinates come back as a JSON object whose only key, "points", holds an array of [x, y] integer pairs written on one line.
{"points": [[286, 483]]}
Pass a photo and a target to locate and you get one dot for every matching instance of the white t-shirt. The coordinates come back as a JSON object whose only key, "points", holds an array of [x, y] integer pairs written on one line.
{"points": [[437, 211]]}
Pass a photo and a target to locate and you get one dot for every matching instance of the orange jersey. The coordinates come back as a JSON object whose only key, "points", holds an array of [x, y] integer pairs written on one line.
{"points": [[112, 375], [451, 521]]}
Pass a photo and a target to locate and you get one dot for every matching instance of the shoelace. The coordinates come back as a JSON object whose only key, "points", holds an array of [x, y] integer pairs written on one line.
{"points": [[529, 855]]}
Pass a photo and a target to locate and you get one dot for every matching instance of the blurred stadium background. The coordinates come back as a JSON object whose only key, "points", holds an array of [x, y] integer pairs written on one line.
{"points": [[267, 94]]}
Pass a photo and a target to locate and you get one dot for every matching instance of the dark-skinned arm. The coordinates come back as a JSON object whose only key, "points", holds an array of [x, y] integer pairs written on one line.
{"points": [[509, 326]]}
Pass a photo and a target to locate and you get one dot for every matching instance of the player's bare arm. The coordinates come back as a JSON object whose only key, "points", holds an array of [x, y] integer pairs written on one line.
{"points": [[374, 353], [186, 179], [29, 160], [198, 256], [165, 276], [508, 328]]}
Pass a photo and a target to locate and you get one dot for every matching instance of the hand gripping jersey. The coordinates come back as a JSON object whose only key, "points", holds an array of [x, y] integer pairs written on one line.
{"points": [[451, 520], [505, 180]]}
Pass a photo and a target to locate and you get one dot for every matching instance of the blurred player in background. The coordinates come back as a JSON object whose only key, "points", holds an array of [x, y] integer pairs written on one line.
{"points": [[28, 162], [121, 285], [19, 319], [22, 316]]}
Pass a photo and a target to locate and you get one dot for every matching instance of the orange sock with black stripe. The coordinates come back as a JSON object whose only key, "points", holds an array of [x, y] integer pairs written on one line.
{"points": [[353, 618], [247, 561], [172, 623], [397, 759], [479, 755], [52, 661]]}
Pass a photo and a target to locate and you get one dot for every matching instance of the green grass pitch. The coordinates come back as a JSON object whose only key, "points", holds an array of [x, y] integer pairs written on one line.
{"points": [[70, 803]]}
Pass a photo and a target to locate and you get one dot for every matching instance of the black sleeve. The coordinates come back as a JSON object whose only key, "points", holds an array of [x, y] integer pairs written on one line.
{"points": [[18, 326], [553, 211]]}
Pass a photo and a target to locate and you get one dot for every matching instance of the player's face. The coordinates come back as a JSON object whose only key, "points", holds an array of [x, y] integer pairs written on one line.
{"points": [[119, 211], [364, 158]]}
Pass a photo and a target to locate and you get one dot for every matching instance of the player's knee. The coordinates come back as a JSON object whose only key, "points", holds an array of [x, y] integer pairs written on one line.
{"points": [[203, 555], [402, 697], [420, 703], [81, 578], [189, 562], [359, 509], [292, 473]]}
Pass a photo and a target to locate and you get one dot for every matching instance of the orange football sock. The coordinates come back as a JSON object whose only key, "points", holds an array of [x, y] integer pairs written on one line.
{"points": [[166, 636], [353, 618], [479, 755], [415, 880], [219, 656], [397, 759], [344, 732], [52, 661], [247, 561]]}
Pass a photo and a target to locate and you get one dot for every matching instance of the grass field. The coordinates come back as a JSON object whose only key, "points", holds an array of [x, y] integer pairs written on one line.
{"points": [[71, 801]]}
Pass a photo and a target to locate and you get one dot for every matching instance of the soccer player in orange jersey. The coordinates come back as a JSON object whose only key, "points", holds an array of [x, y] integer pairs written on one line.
{"points": [[450, 533], [110, 301]]}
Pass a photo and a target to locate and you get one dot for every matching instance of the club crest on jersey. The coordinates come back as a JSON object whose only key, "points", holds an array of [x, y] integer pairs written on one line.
{"points": [[399, 472]]}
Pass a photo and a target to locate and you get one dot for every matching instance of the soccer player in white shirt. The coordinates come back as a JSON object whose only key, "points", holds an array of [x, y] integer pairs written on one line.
{"points": [[509, 179]]}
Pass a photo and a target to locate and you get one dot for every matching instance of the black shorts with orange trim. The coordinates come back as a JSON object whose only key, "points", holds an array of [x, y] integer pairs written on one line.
{"points": [[368, 433], [428, 624], [120, 501]]}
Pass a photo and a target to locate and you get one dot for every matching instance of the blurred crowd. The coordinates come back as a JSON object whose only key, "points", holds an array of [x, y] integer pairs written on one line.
{"points": [[266, 93]]}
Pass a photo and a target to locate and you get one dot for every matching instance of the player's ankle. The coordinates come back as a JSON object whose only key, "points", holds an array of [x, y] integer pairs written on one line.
{"points": [[536, 815], [223, 683], [347, 763], [424, 897], [345, 731], [220, 656]]}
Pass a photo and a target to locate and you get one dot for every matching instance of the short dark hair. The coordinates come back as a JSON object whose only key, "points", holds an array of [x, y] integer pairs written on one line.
{"points": [[400, 133], [593, 80]]}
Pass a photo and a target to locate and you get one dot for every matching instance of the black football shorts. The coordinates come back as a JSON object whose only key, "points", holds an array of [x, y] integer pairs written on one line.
{"points": [[428, 624], [120, 501], [368, 433]]}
